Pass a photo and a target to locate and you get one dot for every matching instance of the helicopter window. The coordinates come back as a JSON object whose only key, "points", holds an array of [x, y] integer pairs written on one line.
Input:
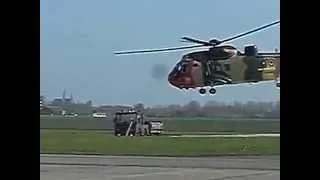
{"points": [[179, 68], [183, 68]]}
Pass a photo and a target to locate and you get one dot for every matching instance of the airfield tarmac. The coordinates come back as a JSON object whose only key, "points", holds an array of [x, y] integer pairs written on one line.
{"points": [[79, 167], [227, 135]]}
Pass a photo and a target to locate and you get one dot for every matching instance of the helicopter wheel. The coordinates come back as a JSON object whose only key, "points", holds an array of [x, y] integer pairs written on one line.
{"points": [[212, 91], [202, 91]]}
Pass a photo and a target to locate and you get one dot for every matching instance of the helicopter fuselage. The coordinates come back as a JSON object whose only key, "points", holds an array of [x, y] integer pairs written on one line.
{"points": [[207, 68], [221, 65]]}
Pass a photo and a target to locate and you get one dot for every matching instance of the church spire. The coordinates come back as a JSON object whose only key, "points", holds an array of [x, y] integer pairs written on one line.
{"points": [[64, 95], [71, 98]]}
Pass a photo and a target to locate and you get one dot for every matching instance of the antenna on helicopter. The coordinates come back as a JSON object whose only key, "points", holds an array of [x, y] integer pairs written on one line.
{"points": [[211, 43]]}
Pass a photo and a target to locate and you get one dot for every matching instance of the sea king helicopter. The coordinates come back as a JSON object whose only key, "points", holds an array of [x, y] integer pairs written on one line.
{"points": [[221, 64]]}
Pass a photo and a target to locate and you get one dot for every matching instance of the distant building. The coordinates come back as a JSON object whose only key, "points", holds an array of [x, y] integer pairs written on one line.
{"points": [[62, 100], [57, 102]]}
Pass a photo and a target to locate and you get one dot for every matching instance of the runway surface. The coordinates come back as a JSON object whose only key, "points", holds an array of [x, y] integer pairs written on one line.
{"points": [[74, 167], [228, 135]]}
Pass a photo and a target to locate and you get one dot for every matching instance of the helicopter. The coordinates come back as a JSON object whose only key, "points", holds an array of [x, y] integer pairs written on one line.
{"points": [[221, 64]]}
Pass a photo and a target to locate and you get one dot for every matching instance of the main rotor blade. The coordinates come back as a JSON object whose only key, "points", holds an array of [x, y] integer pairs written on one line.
{"points": [[249, 32], [157, 50], [197, 41]]}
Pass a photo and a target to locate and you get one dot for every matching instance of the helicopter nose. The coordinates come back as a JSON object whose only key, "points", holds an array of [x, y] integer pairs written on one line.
{"points": [[179, 82], [174, 80]]}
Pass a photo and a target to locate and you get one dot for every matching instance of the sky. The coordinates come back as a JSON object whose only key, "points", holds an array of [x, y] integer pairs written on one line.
{"points": [[78, 39]]}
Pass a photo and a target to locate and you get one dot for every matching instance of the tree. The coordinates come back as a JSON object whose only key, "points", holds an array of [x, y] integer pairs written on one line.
{"points": [[192, 108], [174, 107], [89, 103], [211, 104]]}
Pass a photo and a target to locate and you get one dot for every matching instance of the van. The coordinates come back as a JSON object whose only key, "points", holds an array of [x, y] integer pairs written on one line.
{"points": [[99, 115]]}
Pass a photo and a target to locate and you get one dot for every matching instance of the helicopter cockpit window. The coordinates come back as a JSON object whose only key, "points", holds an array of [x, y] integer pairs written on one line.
{"points": [[195, 65], [184, 68], [178, 66]]}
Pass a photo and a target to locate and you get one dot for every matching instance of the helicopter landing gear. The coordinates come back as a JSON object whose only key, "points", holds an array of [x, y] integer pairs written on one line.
{"points": [[202, 91], [212, 91]]}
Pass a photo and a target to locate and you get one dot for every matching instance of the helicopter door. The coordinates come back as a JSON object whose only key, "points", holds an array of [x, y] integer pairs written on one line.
{"points": [[196, 73]]}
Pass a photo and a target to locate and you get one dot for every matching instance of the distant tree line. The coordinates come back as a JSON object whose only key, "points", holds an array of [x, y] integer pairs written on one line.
{"points": [[249, 109]]}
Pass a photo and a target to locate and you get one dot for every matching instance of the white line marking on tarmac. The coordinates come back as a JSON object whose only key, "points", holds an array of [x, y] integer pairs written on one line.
{"points": [[228, 135]]}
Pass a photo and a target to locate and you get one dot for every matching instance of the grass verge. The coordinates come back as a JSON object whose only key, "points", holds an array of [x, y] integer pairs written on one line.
{"points": [[97, 142], [170, 124]]}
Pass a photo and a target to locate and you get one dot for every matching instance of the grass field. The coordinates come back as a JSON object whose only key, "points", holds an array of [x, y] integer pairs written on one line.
{"points": [[170, 124], [100, 142]]}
